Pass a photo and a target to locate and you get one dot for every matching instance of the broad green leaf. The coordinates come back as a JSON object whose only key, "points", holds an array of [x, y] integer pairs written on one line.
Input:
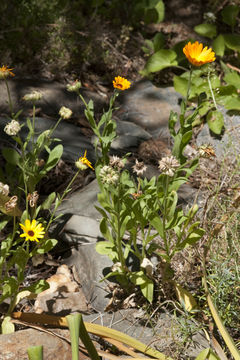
{"points": [[7, 326], [11, 155], [207, 30], [106, 248], [232, 78], [232, 41], [160, 60], [231, 103], [229, 14], [203, 354], [219, 45], [9, 288], [215, 121]]}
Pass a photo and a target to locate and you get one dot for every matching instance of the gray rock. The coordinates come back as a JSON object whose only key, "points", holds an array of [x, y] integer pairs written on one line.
{"points": [[148, 106], [91, 267], [228, 143]]}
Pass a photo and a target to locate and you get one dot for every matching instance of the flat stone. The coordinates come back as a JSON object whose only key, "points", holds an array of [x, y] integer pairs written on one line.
{"points": [[14, 346], [148, 106]]}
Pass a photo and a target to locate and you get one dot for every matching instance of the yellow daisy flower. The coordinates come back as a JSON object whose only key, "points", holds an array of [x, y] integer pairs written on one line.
{"points": [[198, 56], [5, 72], [121, 83], [83, 162], [32, 230]]}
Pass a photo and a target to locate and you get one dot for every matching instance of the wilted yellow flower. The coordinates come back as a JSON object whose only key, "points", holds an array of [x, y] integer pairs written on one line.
{"points": [[198, 56], [5, 72], [121, 83], [32, 230], [83, 162]]}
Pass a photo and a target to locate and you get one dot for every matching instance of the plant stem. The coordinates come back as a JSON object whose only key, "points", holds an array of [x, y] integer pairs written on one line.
{"points": [[211, 90], [119, 240], [165, 189], [189, 84], [9, 98]]}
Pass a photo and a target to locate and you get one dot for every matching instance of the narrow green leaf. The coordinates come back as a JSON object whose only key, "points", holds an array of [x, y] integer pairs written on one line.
{"points": [[219, 45], [35, 352]]}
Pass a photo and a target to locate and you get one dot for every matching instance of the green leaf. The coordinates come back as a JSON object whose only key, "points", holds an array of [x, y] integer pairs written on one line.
{"points": [[229, 14], [38, 287], [185, 297], [156, 222], [160, 60], [203, 354], [219, 45], [35, 352], [146, 285], [160, 8], [45, 247], [7, 326], [11, 155], [231, 103], [105, 230], [9, 288], [215, 121], [158, 42], [106, 248], [180, 85], [48, 201], [54, 157], [207, 30], [233, 78], [232, 41]]}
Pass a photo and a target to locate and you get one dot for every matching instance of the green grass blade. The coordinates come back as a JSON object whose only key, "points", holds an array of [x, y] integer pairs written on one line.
{"points": [[35, 352]]}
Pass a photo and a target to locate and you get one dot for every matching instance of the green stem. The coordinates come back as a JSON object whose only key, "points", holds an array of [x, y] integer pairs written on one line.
{"points": [[61, 199], [33, 125], [165, 189], [211, 90], [119, 240], [9, 99], [55, 126], [189, 84]]}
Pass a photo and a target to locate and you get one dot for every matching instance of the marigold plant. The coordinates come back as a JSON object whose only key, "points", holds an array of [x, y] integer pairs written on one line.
{"points": [[32, 230]]}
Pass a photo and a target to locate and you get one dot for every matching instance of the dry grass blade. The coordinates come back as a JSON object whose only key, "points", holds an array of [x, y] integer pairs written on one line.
{"points": [[95, 329]]}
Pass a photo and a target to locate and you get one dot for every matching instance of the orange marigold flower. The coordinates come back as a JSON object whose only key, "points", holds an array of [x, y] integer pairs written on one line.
{"points": [[198, 56], [5, 72], [121, 83]]}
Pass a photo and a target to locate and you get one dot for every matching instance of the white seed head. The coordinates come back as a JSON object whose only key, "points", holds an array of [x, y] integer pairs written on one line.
{"points": [[12, 128], [65, 113], [108, 175], [33, 96], [4, 189]]}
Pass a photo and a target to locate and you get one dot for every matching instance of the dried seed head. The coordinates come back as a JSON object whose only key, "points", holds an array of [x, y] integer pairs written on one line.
{"points": [[116, 162], [139, 168], [168, 165], [4, 189]]}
